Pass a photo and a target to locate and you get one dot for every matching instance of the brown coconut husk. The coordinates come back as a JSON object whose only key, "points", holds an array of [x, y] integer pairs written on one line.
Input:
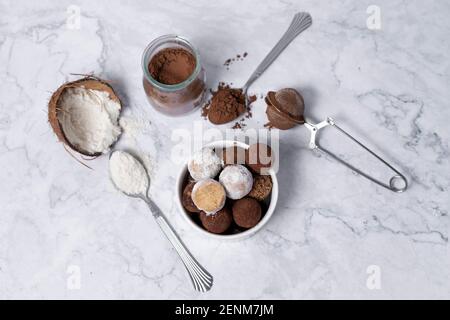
{"points": [[88, 82]]}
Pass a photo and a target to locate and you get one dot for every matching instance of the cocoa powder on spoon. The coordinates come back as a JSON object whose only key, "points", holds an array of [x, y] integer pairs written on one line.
{"points": [[226, 105]]}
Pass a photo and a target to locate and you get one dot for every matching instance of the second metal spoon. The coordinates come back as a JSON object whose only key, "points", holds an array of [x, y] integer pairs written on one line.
{"points": [[200, 277], [300, 22]]}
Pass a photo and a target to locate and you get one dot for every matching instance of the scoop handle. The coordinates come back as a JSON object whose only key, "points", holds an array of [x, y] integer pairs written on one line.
{"points": [[300, 22], [313, 144], [200, 277]]}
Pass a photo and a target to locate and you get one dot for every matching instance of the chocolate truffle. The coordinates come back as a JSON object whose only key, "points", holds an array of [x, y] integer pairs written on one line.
{"points": [[262, 186], [209, 195], [233, 155], [237, 180], [285, 108], [259, 158], [187, 202], [246, 212], [218, 222], [204, 164]]}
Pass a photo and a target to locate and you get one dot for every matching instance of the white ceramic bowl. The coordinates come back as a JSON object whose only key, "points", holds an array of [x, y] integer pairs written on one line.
{"points": [[245, 234]]}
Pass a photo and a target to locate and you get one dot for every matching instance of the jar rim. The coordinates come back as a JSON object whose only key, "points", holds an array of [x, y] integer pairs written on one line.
{"points": [[158, 42]]}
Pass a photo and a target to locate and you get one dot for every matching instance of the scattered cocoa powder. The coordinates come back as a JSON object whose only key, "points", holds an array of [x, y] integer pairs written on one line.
{"points": [[172, 65], [239, 125], [205, 110], [251, 99], [239, 57]]}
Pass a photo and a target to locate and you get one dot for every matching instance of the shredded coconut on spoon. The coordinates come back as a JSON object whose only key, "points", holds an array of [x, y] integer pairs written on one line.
{"points": [[128, 174]]}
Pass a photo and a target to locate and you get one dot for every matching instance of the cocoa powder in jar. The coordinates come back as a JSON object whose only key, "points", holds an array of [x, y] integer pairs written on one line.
{"points": [[170, 67]]}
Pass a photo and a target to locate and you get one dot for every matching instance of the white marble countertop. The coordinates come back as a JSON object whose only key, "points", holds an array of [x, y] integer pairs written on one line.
{"points": [[333, 235]]}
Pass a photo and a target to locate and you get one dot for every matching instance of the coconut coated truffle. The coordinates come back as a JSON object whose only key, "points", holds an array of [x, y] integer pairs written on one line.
{"points": [[262, 186], [237, 180], [247, 212], [204, 164], [208, 195], [218, 222], [187, 202]]}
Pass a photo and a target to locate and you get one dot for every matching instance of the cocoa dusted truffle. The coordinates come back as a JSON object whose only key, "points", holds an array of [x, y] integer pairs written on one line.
{"points": [[259, 158], [188, 204], [246, 212], [262, 186], [218, 222], [232, 155]]}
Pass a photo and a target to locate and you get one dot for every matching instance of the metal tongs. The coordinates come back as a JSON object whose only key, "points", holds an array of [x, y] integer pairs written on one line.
{"points": [[313, 144]]}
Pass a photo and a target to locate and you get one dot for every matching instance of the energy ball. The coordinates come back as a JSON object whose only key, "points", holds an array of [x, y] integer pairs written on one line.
{"points": [[233, 155], [246, 212], [262, 186], [218, 222], [209, 196], [237, 180], [204, 164], [187, 202], [259, 158]]}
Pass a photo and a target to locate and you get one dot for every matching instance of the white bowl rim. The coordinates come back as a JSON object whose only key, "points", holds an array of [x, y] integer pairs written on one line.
{"points": [[238, 236]]}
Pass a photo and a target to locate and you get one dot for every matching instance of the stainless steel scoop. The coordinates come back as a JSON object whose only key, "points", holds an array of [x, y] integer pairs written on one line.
{"points": [[287, 108], [201, 279], [397, 182], [300, 22]]}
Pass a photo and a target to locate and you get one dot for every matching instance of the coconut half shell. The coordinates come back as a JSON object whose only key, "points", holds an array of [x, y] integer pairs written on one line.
{"points": [[88, 82]]}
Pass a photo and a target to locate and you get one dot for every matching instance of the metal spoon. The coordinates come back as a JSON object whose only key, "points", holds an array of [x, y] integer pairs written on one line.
{"points": [[201, 279], [300, 22]]}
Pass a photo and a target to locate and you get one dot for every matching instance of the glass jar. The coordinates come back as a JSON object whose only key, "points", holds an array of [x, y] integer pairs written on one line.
{"points": [[173, 99]]}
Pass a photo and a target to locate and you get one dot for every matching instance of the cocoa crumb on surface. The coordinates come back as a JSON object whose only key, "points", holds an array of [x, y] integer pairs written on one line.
{"points": [[237, 125], [205, 110], [238, 57]]}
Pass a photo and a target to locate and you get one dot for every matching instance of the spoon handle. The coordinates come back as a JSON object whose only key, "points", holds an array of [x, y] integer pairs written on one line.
{"points": [[300, 22], [201, 279]]}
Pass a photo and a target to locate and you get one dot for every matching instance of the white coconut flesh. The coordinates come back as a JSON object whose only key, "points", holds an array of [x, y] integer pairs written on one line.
{"points": [[89, 119]]}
